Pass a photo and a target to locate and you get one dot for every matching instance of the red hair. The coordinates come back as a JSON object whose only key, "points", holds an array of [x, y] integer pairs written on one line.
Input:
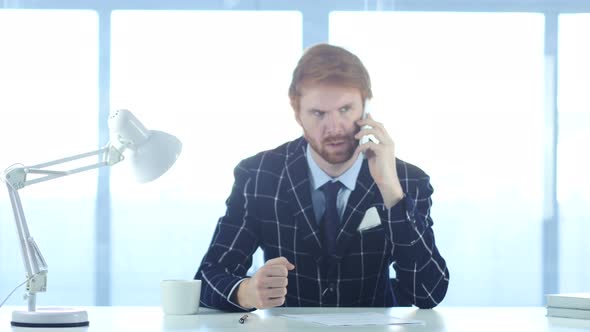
{"points": [[324, 63]]}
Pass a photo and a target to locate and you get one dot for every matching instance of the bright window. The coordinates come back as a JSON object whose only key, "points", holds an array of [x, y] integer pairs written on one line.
{"points": [[218, 80], [573, 162], [49, 107], [462, 96]]}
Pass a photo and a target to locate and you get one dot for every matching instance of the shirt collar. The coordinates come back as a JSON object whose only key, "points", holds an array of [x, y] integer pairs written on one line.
{"points": [[319, 177]]}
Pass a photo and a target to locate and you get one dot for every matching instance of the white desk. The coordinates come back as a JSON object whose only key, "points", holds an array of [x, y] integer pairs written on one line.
{"points": [[470, 319]]}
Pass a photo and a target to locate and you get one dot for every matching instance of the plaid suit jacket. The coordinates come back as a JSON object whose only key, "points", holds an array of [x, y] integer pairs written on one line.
{"points": [[270, 207]]}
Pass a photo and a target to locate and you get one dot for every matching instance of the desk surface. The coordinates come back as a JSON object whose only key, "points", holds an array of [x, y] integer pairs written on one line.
{"points": [[469, 319]]}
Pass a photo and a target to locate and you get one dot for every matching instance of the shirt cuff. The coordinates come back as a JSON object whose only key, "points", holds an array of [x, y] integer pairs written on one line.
{"points": [[230, 296]]}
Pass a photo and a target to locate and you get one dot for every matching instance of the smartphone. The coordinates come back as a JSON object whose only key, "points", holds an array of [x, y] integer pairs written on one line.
{"points": [[370, 137]]}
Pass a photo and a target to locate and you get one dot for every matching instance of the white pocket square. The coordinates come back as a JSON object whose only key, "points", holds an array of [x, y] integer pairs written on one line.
{"points": [[370, 220]]}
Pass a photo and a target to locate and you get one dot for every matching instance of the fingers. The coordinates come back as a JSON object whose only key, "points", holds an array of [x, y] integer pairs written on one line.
{"points": [[274, 271], [365, 131], [270, 283], [280, 261], [274, 282], [269, 297], [274, 293], [384, 145], [379, 132], [270, 291], [370, 149], [271, 303], [369, 121]]}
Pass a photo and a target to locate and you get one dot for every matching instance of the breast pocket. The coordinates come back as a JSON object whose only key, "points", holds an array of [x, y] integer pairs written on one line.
{"points": [[372, 240]]}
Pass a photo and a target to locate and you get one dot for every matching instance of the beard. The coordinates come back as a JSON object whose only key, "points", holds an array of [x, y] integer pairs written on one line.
{"points": [[334, 149]]}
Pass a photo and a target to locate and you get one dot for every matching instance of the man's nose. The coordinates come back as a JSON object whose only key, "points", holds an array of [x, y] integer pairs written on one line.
{"points": [[333, 123]]}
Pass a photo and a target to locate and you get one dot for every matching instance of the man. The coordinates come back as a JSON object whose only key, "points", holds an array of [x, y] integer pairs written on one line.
{"points": [[330, 214]]}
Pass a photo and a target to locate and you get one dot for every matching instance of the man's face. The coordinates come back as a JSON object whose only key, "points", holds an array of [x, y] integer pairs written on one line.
{"points": [[327, 114]]}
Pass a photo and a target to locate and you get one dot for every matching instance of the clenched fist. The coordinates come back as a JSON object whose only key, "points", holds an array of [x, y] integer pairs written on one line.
{"points": [[268, 287]]}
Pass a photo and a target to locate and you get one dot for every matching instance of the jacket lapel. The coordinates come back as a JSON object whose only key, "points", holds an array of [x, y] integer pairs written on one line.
{"points": [[299, 193], [358, 203]]}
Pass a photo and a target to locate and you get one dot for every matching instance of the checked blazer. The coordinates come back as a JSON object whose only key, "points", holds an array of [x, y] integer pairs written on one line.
{"points": [[270, 207]]}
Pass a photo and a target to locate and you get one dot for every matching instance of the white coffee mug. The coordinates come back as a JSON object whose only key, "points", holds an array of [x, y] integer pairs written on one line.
{"points": [[180, 297]]}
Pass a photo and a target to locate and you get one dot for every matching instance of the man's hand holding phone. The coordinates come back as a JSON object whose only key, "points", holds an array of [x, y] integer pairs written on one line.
{"points": [[381, 157]]}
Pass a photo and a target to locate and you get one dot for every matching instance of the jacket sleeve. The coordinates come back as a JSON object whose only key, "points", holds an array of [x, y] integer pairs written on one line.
{"points": [[422, 276], [230, 253]]}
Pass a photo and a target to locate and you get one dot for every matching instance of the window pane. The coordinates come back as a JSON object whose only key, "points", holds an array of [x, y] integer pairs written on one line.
{"points": [[573, 163], [218, 80], [48, 100], [462, 96]]}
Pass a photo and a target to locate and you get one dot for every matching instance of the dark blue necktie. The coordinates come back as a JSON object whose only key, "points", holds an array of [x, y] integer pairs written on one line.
{"points": [[331, 222]]}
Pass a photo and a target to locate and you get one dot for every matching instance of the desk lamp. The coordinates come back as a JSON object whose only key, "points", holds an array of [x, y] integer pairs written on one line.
{"points": [[150, 154]]}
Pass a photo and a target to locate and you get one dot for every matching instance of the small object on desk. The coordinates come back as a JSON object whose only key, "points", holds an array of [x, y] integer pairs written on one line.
{"points": [[243, 319], [568, 313], [353, 319], [569, 300], [180, 297]]}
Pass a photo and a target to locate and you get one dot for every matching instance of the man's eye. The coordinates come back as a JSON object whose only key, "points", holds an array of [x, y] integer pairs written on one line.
{"points": [[319, 114], [344, 109]]}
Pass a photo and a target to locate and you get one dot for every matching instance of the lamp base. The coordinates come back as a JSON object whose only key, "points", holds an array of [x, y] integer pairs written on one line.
{"points": [[50, 317]]}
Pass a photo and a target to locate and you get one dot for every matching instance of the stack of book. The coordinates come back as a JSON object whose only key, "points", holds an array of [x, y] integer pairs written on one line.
{"points": [[574, 305]]}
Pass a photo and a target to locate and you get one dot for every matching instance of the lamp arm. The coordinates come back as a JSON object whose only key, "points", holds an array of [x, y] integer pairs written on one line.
{"points": [[16, 178]]}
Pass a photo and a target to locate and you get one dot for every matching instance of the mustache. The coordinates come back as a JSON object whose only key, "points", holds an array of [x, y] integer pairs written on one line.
{"points": [[338, 138]]}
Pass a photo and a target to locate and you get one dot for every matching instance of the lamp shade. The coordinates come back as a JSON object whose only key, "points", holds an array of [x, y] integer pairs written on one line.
{"points": [[149, 153], [154, 156]]}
